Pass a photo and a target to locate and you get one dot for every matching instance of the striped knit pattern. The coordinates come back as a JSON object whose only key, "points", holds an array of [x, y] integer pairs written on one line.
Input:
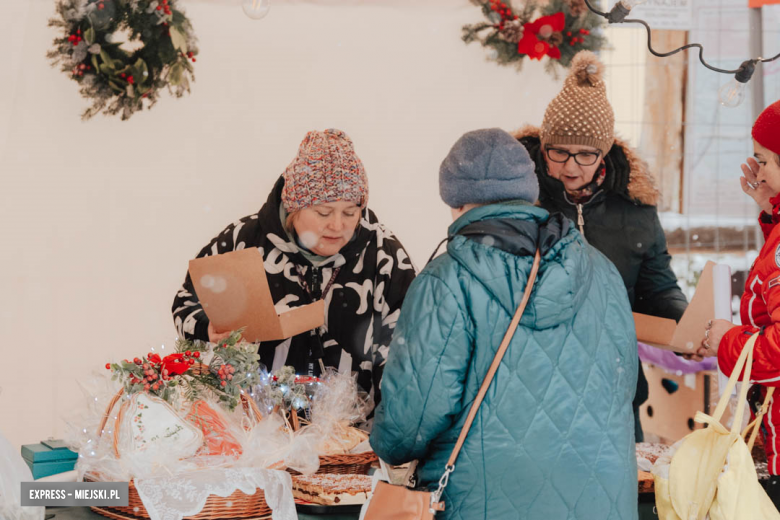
{"points": [[326, 169]]}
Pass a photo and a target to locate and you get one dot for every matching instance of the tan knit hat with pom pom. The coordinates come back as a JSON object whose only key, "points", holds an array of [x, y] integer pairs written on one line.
{"points": [[580, 113]]}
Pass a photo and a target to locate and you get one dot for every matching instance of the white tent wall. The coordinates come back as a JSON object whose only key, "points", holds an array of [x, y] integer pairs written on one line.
{"points": [[98, 219]]}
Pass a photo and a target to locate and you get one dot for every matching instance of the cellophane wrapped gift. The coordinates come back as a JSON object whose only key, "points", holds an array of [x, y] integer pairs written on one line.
{"points": [[181, 427]]}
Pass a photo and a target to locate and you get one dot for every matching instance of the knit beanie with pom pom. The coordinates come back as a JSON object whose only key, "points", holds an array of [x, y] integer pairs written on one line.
{"points": [[580, 113]]}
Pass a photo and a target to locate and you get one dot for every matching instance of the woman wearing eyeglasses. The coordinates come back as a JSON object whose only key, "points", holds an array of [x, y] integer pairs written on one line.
{"points": [[601, 184]]}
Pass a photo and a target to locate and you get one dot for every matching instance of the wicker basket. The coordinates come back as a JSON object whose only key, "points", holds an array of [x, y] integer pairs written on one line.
{"points": [[241, 506], [237, 505], [349, 464], [345, 464]]}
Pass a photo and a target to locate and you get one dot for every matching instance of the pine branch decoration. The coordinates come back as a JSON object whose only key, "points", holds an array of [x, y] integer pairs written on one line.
{"points": [[557, 29]]}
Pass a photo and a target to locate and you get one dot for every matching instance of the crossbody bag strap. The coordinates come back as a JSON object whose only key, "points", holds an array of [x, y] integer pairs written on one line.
{"points": [[489, 378]]}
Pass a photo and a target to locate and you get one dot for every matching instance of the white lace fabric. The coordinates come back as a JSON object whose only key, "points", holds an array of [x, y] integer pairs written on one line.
{"points": [[172, 498]]}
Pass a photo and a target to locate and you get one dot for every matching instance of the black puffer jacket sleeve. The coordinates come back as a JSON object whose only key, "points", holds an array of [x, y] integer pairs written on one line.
{"points": [[656, 289]]}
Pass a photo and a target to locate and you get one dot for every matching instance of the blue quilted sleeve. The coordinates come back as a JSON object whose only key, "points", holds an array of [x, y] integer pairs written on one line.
{"points": [[425, 373]]}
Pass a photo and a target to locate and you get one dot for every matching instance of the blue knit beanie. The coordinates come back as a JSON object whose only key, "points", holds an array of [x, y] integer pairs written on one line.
{"points": [[486, 166]]}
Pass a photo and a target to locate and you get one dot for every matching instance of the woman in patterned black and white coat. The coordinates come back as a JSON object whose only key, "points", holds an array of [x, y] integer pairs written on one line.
{"points": [[319, 241]]}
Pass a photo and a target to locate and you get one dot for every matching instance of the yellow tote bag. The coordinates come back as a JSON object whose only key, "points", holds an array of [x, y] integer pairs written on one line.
{"points": [[710, 471]]}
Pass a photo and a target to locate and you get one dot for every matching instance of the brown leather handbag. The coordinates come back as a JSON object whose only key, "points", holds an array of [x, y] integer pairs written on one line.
{"points": [[390, 502]]}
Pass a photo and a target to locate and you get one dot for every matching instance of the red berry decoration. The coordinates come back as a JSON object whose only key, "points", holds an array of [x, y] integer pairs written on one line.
{"points": [[223, 383], [188, 353], [196, 354], [137, 361], [230, 377], [108, 366]]}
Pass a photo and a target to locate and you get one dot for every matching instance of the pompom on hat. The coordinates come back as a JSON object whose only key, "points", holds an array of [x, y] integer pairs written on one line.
{"points": [[581, 114]]}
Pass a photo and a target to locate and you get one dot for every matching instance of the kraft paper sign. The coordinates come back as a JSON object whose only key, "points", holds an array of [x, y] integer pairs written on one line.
{"points": [[233, 289], [711, 301]]}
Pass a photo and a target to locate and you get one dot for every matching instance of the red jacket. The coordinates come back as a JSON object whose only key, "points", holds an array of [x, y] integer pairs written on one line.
{"points": [[760, 312]]}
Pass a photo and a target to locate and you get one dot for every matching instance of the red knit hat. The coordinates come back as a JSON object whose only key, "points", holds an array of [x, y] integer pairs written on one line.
{"points": [[766, 129]]}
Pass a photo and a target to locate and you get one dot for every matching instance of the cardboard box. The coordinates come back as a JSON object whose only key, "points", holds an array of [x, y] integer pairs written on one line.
{"points": [[233, 289], [669, 416], [712, 300]]}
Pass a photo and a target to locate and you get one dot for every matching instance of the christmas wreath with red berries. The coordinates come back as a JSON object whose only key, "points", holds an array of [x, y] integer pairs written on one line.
{"points": [[123, 53], [224, 372], [557, 29]]}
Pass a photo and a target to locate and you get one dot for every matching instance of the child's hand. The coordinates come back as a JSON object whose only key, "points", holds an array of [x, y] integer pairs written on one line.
{"points": [[758, 191]]}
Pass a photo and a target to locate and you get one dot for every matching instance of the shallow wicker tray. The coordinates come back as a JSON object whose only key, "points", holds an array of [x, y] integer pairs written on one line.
{"points": [[350, 464]]}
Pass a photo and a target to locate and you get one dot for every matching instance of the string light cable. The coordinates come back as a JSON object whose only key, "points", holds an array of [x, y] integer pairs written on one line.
{"points": [[730, 94]]}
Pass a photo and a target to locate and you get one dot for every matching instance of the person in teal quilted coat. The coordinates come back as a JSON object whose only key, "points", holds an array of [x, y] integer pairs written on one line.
{"points": [[554, 437]]}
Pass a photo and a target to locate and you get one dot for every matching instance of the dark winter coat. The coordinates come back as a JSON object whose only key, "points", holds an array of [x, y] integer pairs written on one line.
{"points": [[554, 436], [361, 308], [621, 221]]}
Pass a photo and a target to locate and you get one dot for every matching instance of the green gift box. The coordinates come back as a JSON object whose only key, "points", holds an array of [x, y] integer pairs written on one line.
{"points": [[48, 458], [45, 469]]}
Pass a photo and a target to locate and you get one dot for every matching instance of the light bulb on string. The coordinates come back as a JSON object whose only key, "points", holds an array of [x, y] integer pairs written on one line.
{"points": [[732, 94], [256, 9]]}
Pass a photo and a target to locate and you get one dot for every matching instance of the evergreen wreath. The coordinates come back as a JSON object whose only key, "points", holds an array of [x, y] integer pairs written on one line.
{"points": [[232, 370], [116, 79], [563, 28]]}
